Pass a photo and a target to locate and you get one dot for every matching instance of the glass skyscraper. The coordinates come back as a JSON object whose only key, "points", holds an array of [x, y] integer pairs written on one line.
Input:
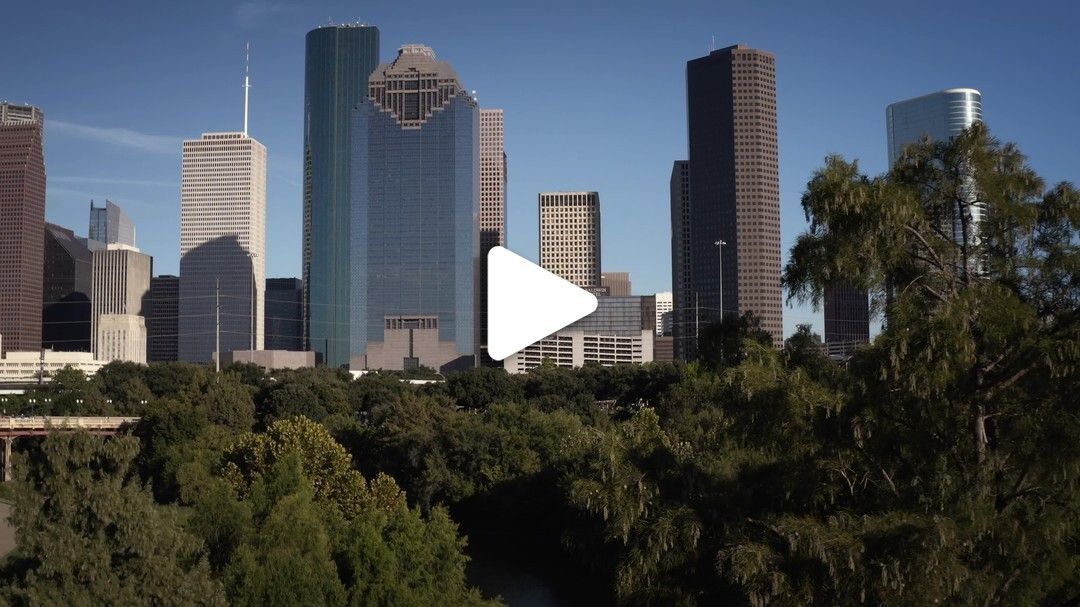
{"points": [[415, 217], [338, 61], [110, 225], [939, 116]]}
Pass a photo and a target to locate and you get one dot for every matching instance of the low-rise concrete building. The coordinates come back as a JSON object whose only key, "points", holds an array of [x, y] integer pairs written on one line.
{"points": [[271, 359], [121, 337]]}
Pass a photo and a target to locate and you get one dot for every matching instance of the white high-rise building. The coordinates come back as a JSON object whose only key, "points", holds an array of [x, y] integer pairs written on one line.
{"points": [[570, 236], [222, 244], [664, 307]]}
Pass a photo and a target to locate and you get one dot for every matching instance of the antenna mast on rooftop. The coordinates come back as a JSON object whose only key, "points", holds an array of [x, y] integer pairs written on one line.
{"points": [[247, 83]]}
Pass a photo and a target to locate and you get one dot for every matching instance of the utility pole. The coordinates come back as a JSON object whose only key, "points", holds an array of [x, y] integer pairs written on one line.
{"points": [[217, 325], [720, 246]]}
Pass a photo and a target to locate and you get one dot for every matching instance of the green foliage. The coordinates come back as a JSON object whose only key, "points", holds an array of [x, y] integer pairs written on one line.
{"points": [[88, 533]]}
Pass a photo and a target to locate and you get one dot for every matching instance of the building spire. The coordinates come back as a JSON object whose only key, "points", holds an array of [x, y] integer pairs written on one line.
{"points": [[247, 83]]}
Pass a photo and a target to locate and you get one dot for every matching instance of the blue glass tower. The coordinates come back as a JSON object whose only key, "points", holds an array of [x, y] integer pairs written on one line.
{"points": [[339, 59], [414, 227]]}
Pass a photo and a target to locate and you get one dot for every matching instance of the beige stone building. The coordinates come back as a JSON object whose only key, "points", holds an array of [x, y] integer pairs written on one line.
{"points": [[119, 284], [121, 337]]}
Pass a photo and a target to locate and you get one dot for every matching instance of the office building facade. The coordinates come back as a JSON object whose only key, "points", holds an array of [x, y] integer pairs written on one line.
{"points": [[492, 202], [664, 304], [65, 293], [613, 334], [119, 284], [222, 244], [617, 283], [110, 225], [162, 321], [22, 224], [734, 192], [847, 318], [570, 236], [121, 337], [415, 248], [683, 301], [284, 314], [338, 61]]}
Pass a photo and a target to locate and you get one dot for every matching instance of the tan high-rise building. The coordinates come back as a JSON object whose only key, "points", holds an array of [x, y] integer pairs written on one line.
{"points": [[570, 236], [22, 225], [119, 285], [734, 192], [222, 244], [492, 201]]}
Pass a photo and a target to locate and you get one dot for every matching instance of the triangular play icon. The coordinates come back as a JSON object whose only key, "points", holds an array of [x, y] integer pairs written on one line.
{"points": [[526, 303]]}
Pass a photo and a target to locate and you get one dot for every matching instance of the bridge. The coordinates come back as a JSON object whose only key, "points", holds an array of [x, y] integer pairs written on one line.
{"points": [[41, 425]]}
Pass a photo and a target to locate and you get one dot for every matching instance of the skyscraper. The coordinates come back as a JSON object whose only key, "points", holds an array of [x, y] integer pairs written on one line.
{"points": [[110, 225], [284, 314], [682, 301], [734, 186], [65, 316], [492, 201], [940, 117], [338, 61], [222, 244], [22, 225], [162, 322], [415, 243], [119, 285], [570, 236], [121, 337], [847, 318]]}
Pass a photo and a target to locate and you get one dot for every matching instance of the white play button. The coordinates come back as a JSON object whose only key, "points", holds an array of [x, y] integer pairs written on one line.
{"points": [[526, 303]]}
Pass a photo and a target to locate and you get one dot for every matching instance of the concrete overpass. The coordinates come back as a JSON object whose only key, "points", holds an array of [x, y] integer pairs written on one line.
{"points": [[41, 425]]}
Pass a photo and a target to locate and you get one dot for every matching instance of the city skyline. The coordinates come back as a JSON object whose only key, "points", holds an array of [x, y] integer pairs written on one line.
{"points": [[840, 112]]}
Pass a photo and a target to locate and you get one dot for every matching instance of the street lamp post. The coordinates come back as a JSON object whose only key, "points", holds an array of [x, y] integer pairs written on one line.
{"points": [[720, 247]]}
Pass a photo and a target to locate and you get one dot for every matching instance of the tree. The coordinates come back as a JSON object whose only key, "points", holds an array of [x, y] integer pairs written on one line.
{"points": [[483, 386], [89, 533]]}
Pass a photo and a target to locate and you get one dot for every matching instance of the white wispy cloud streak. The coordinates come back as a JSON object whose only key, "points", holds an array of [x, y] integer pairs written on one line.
{"points": [[110, 181], [251, 14], [157, 144]]}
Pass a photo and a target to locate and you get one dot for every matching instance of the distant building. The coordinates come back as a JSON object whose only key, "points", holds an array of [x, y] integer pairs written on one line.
{"points": [[22, 224], [65, 316], [110, 225], [222, 243], [121, 337], [570, 236], [847, 318], [664, 348], [415, 247], [618, 283], [663, 313], [119, 284], [611, 335], [162, 321], [338, 60], [492, 201], [42, 365], [271, 359], [683, 298], [648, 312], [284, 314], [734, 189]]}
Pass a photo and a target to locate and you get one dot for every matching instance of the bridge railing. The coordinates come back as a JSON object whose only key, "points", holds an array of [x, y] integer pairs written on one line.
{"points": [[62, 422]]}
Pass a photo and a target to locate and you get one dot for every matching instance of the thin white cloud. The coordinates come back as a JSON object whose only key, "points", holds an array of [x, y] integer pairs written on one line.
{"points": [[110, 181], [157, 144], [251, 14]]}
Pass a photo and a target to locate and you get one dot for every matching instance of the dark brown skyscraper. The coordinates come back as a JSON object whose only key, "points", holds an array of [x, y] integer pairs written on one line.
{"points": [[734, 188], [162, 326], [847, 319], [22, 225]]}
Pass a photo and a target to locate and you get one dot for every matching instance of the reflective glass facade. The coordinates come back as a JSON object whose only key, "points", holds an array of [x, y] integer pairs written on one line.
{"points": [[110, 225], [415, 215], [939, 116], [339, 59]]}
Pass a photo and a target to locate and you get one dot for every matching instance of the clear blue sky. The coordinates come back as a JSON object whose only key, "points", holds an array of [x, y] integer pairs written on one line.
{"points": [[594, 95]]}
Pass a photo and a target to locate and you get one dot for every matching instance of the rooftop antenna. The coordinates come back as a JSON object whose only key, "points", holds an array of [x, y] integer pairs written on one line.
{"points": [[712, 44], [247, 83]]}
